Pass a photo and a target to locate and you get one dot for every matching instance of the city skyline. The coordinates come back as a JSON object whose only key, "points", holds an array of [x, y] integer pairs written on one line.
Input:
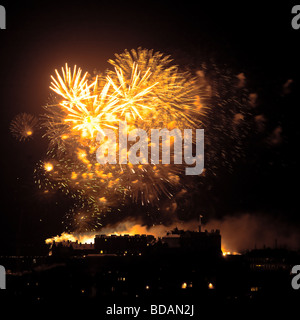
{"points": [[71, 72]]}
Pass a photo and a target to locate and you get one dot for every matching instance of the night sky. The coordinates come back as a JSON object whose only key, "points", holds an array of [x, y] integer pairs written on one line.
{"points": [[249, 38]]}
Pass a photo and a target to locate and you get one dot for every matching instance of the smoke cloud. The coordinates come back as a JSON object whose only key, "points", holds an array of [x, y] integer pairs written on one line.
{"points": [[239, 233], [245, 231], [249, 231]]}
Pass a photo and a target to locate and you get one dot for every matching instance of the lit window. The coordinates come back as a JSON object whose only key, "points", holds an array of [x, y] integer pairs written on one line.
{"points": [[254, 289]]}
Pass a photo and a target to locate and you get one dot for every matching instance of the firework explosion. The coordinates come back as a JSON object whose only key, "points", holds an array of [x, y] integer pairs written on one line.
{"points": [[23, 126], [145, 90]]}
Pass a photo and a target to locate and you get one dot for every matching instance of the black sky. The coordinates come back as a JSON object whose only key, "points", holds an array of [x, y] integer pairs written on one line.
{"points": [[253, 38]]}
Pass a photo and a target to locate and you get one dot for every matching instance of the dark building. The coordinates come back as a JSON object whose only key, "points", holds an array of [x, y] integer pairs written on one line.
{"points": [[175, 241], [202, 242], [70, 248], [271, 259], [124, 244]]}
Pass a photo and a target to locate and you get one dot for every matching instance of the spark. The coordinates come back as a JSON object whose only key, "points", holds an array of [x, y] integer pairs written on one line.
{"points": [[133, 93], [48, 166]]}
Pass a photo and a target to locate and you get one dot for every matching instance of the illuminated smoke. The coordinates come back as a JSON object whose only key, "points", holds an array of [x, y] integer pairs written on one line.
{"points": [[249, 231], [239, 233]]}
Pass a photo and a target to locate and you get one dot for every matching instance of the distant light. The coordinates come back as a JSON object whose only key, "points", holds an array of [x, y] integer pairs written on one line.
{"points": [[211, 286], [147, 287], [229, 253], [184, 285], [254, 289]]}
